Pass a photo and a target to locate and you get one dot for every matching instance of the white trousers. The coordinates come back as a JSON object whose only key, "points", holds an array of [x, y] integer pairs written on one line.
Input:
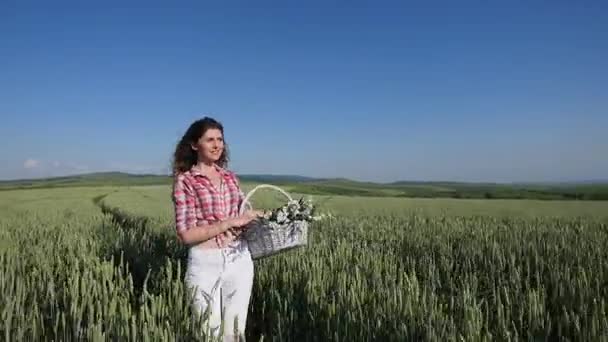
{"points": [[221, 280]]}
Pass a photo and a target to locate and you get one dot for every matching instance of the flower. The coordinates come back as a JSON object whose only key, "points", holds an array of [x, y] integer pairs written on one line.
{"points": [[281, 216], [302, 210]]}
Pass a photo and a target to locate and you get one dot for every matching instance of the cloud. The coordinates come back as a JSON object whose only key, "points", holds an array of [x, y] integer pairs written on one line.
{"points": [[31, 164], [35, 168], [43, 168]]}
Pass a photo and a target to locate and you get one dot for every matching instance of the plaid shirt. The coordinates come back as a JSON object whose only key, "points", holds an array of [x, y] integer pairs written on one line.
{"points": [[198, 202]]}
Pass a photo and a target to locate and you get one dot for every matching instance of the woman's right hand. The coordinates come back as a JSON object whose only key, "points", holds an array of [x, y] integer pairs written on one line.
{"points": [[243, 220]]}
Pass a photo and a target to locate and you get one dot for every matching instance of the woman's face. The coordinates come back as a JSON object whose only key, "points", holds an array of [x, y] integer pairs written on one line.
{"points": [[210, 146]]}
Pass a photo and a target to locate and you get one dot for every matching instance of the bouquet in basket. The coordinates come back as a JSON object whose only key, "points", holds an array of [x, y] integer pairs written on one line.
{"points": [[302, 210], [282, 228]]}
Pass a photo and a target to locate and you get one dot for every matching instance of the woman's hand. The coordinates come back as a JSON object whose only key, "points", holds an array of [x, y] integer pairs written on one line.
{"points": [[237, 225], [244, 219]]}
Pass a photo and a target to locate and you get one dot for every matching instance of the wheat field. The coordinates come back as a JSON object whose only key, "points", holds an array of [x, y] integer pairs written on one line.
{"points": [[103, 263]]}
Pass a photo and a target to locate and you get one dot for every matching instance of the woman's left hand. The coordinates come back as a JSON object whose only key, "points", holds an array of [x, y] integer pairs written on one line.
{"points": [[258, 213], [237, 231]]}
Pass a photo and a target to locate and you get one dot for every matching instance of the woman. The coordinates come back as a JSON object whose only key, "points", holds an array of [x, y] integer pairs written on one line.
{"points": [[207, 198]]}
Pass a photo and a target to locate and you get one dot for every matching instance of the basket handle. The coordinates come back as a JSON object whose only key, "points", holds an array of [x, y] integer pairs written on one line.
{"points": [[246, 202]]}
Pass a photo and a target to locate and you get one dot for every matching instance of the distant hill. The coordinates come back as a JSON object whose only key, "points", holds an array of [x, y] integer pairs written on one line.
{"points": [[341, 186], [88, 179], [109, 178], [122, 178], [276, 178]]}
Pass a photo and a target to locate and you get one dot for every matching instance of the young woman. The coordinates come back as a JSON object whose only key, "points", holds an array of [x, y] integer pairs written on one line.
{"points": [[207, 198]]}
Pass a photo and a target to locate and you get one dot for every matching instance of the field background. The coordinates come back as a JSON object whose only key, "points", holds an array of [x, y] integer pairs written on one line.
{"points": [[96, 257]]}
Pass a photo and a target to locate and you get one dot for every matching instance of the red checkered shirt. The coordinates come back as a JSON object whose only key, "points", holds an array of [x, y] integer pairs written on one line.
{"points": [[198, 202]]}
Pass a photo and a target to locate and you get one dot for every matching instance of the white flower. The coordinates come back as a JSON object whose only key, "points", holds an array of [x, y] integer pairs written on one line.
{"points": [[306, 212], [293, 207], [322, 217], [281, 216]]}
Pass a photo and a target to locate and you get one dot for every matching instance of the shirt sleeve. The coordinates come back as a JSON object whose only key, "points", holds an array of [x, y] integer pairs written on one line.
{"points": [[238, 186], [184, 204]]}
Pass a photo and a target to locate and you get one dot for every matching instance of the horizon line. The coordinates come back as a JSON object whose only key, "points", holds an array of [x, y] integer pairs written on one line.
{"points": [[312, 178]]}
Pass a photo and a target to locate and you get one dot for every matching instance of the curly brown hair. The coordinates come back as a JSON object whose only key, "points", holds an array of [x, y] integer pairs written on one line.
{"points": [[185, 157]]}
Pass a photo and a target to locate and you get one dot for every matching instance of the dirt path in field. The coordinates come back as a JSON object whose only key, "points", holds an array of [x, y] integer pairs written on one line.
{"points": [[145, 250], [97, 199]]}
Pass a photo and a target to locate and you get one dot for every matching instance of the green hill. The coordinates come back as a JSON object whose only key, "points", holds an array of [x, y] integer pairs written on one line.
{"points": [[346, 187], [89, 179]]}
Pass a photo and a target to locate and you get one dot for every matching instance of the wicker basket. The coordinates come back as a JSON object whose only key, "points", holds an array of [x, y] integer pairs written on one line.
{"points": [[264, 241]]}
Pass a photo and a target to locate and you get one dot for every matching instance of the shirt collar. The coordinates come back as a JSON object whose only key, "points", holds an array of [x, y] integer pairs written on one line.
{"points": [[195, 172]]}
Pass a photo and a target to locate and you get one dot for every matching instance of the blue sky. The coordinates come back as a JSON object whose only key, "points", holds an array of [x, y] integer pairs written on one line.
{"points": [[454, 90]]}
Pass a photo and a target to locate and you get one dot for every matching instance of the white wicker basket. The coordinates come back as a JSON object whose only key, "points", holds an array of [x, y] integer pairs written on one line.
{"points": [[265, 241]]}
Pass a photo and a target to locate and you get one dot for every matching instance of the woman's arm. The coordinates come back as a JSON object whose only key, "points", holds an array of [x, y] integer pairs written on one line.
{"points": [[185, 217], [197, 234], [241, 193]]}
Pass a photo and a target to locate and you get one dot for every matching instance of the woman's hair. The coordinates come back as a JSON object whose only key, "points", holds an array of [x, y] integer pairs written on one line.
{"points": [[185, 157]]}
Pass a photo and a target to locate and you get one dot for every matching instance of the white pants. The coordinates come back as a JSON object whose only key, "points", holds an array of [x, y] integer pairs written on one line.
{"points": [[222, 280]]}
